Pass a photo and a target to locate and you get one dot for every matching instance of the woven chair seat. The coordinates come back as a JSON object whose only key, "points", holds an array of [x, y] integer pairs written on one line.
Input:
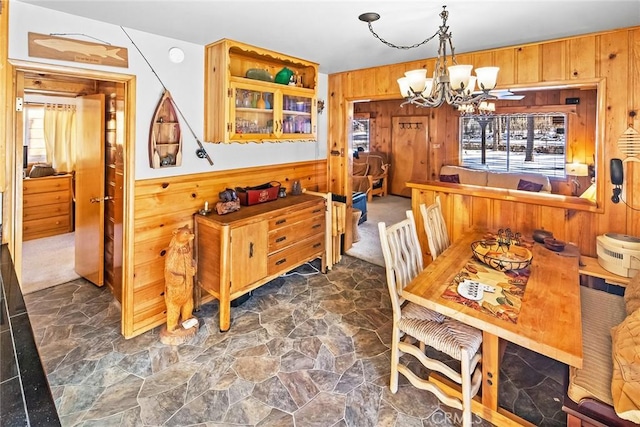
{"points": [[418, 312], [449, 337]]}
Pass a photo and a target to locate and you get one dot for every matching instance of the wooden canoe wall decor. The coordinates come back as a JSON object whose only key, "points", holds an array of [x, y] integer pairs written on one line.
{"points": [[63, 49], [165, 138]]}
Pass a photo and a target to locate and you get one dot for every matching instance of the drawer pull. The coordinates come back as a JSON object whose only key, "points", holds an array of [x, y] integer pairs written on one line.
{"points": [[282, 261], [281, 221], [316, 226], [317, 210], [317, 245], [251, 250], [281, 239]]}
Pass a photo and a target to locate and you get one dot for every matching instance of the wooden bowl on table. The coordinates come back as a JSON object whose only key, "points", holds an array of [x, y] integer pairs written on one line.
{"points": [[501, 257]]}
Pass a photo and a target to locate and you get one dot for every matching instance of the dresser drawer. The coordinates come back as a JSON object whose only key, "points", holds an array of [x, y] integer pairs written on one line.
{"points": [[286, 236], [45, 185], [295, 254], [292, 216], [39, 212], [44, 199], [46, 227]]}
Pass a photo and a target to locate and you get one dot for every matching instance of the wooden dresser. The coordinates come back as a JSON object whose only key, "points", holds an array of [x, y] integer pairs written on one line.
{"points": [[47, 206], [241, 251]]}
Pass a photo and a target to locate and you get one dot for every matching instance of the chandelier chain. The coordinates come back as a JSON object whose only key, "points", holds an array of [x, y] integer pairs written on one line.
{"points": [[395, 46]]}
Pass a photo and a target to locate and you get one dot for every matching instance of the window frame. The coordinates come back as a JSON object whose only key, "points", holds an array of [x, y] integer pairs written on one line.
{"points": [[28, 140], [554, 167]]}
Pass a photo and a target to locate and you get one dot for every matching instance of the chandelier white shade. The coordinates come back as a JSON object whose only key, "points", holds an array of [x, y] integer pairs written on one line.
{"points": [[487, 77], [484, 108], [460, 79], [488, 107], [453, 84]]}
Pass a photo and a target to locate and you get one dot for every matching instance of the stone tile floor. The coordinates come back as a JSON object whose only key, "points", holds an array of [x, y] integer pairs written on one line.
{"points": [[304, 350]]}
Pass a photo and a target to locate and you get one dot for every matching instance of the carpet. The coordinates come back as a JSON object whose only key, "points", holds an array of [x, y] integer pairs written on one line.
{"points": [[48, 262], [388, 209]]}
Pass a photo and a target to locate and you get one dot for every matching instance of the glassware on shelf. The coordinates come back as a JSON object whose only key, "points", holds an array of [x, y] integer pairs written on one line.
{"points": [[261, 104], [239, 98], [287, 125], [253, 126]]}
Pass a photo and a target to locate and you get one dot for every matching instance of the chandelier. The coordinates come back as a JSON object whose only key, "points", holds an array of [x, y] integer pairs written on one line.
{"points": [[483, 109], [452, 84]]}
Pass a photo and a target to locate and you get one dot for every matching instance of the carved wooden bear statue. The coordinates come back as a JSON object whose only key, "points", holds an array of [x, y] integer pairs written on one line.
{"points": [[179, 269]]}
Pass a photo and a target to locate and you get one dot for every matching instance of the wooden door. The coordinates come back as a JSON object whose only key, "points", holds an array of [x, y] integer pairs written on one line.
{"points": [[248, 254], [114, 185], [89, 188], [408, 153]]}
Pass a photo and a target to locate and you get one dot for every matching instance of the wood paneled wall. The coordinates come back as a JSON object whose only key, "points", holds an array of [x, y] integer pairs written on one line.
{"points": [[164, 204], [613, 56]]}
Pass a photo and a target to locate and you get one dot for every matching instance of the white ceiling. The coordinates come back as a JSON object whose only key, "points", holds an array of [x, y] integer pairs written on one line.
{"points": [[328, 32]]}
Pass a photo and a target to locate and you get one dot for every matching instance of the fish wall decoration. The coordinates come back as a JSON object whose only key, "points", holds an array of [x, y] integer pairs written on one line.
{"points": [[64, 49]]}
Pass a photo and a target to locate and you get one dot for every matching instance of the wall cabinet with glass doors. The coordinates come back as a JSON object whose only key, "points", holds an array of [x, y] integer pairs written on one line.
{"points": [[244, 104]]}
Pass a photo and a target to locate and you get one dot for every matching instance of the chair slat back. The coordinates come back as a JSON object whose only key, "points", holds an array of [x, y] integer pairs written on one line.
{"points": [[435, 227], [402, 256]]}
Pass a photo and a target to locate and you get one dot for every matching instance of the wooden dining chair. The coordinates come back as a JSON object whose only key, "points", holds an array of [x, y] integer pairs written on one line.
{"points": [[435, 227], [403, 262]]}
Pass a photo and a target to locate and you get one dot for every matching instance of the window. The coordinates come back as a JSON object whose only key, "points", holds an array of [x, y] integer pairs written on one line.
{"points": [[361, 133], [515, 143], [34, 134]]}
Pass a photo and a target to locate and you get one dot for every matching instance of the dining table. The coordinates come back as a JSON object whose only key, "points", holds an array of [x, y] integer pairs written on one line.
{"points": [[548, 322]]}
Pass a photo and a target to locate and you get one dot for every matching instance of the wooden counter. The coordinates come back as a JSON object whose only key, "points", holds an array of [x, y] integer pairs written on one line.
{"points": [[590, 267], [238, 252]]}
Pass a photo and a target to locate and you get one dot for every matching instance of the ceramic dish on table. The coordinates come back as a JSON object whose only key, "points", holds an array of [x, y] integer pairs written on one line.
{"points": [[539, 235], [554, 244]]}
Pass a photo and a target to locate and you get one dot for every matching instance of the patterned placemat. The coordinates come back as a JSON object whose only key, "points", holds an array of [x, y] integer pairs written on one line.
{"points": [[505, 302]]}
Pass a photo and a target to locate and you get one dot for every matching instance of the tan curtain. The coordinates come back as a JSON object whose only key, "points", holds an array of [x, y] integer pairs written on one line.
{"points": [[60, 136]]}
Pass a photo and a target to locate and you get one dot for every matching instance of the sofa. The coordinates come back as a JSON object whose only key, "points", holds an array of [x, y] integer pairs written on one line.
{"points": [[370, 174], [606, 390], [525, 181]]}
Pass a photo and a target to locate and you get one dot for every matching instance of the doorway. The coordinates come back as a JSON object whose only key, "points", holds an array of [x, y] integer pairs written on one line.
{"points": [[390, 210], [51, 83], [371, 129]]}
